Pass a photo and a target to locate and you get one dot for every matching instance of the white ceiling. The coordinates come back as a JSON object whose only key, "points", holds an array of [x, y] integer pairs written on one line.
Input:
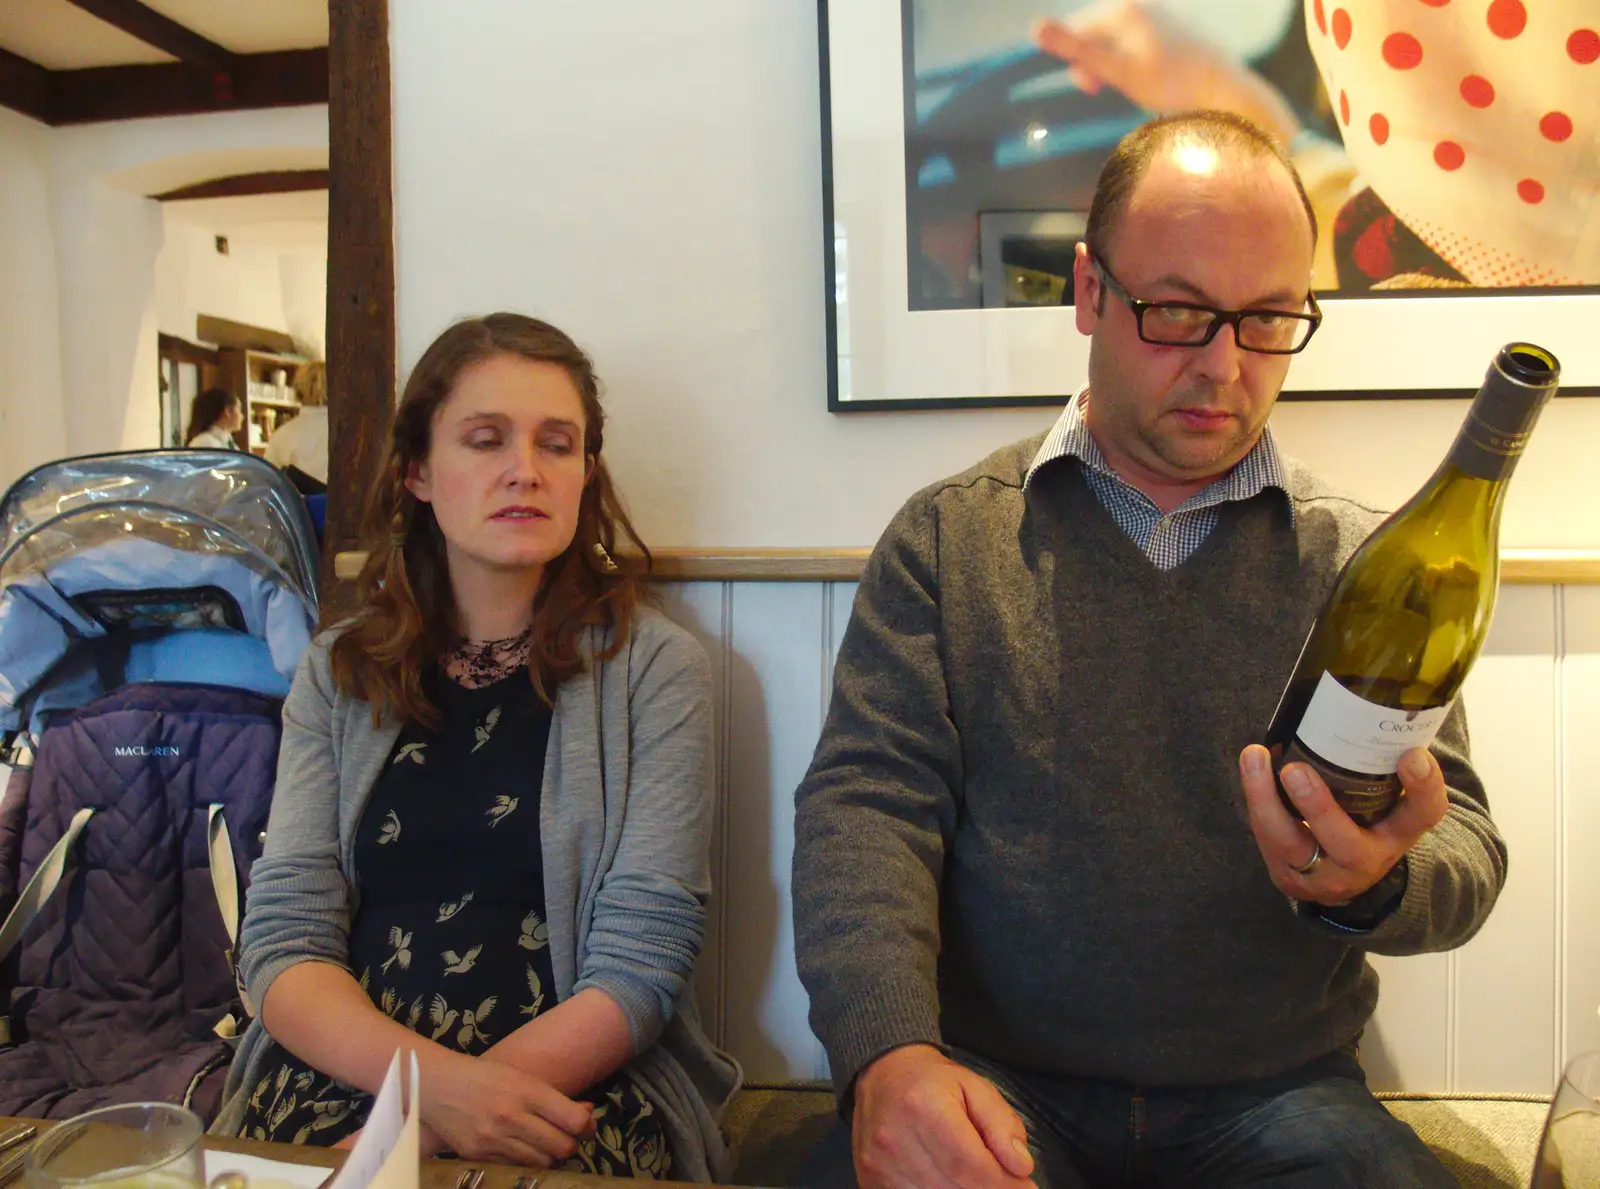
{"points": [[251, 26], [59, 36]]}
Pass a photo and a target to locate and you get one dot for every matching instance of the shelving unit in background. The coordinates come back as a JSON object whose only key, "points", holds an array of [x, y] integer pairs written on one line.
{"points": [[251, 356], [250, 375]]}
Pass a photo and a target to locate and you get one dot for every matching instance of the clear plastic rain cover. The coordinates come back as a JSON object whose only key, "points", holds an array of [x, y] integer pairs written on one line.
{"points": [[219, 503]]}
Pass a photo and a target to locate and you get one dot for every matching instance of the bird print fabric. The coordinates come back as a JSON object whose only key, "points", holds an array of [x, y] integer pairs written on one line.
{"points": [[451, 938]]}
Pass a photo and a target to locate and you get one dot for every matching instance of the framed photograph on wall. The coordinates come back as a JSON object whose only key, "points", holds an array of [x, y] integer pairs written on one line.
{"points": [[1448, 149]]}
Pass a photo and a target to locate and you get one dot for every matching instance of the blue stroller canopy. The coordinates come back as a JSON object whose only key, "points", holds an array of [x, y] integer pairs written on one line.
{"points": [[143, 544]]}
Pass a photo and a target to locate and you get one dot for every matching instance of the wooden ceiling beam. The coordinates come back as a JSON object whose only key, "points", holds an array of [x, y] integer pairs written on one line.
{"points": [[24, 86], [162, 32], [286, 78], [276, 181]]}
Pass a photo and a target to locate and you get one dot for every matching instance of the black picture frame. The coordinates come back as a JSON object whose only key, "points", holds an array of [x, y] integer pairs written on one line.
{"points": [[883, 355]]}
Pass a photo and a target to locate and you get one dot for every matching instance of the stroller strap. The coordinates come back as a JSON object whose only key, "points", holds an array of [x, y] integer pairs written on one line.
{"points": [[36, 895]]}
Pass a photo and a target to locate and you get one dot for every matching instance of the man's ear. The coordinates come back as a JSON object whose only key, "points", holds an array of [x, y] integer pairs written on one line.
{"points": [[418, 482], [1088, 294]]}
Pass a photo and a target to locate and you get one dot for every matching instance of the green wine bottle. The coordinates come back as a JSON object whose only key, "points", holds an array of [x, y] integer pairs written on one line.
{"points": [[1409, 612]]}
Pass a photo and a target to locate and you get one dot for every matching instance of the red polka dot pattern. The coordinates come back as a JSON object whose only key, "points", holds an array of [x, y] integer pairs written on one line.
{"points": [[1321, 16], [1556, 126], [1379, 125], [1436, 3], [1341, 28], [1484, 264], [1477, 90], [1447, 154], [1344, 108], [1402, 51], [1530, 191], [1583, 47], [1507, 18]]}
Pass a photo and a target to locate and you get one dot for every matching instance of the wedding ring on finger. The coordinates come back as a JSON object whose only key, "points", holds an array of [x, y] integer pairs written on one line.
{"points": [[1310, 864]]}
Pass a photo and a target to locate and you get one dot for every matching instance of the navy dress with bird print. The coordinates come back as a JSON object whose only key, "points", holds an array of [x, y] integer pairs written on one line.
{"points": [[450, 938]]}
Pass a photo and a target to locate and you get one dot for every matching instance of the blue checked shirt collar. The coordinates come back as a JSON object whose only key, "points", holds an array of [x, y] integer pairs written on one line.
{"points": [[1166, 540]]}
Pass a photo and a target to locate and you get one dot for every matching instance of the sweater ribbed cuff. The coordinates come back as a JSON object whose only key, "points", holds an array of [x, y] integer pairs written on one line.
{"points": [[639, 1005], [865, 1026], [1414, 917], [1411, 917]]}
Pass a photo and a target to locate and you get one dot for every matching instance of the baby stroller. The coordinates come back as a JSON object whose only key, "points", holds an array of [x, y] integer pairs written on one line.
{"points": [[153, 608]]}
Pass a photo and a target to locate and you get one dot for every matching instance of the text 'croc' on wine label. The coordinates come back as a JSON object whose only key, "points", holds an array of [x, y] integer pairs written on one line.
{"points": [[1362, 736]]}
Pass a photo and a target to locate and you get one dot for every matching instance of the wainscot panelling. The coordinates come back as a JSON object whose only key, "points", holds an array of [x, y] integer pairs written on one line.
{"points": [[1500, 1014], [1502, 1028], [778, 641], [1482, 1017], [1578, 913], [702, 608]]}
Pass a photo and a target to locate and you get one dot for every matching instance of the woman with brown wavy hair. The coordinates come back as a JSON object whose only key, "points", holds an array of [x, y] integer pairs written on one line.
{"points": [[489, 840]]}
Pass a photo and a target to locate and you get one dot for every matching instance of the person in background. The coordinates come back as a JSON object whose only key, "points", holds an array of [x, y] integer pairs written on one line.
{"points": [[214, 415], [1053, 918], [490, 839], [302, 441]]}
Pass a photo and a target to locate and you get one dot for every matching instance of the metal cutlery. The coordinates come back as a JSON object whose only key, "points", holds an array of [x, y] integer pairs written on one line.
{"points": [[20, 1133]]}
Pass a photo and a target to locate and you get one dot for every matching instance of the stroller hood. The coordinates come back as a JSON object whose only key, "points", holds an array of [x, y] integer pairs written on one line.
{"points": [[141, 543]]}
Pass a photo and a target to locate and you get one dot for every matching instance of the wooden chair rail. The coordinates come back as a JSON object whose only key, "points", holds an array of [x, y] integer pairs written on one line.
{"points": [[1523, 566]]}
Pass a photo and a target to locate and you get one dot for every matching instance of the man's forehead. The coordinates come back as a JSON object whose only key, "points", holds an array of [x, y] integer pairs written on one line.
{"points": [[1226, 237], [1190, 170], [1175, 192]]}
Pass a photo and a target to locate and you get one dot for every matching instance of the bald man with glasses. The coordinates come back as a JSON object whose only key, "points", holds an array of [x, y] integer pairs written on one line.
{"points": [[1056, 925]]}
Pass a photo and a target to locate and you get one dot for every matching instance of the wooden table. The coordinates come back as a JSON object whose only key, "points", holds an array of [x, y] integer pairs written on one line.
{"points": [[436, 1174]]}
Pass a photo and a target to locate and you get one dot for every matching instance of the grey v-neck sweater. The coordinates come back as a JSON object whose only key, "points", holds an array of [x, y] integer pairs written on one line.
{"points": [[1022, 832]]}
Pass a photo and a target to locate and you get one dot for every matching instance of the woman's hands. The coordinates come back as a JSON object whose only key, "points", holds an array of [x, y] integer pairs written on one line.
{"points": [[483, 1109]]}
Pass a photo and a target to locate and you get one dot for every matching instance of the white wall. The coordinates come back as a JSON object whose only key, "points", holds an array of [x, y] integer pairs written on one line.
{"points": [[107, 242], [649, 177], [193, 278], [32, 425], [303, 281]]}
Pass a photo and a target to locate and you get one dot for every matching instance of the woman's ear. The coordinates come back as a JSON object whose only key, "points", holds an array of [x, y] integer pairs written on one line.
{"points": [[418, 482], [590, 463]]}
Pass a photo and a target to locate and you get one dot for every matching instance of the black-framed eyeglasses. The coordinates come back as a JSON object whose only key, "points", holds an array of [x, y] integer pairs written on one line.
{"points": [[1185, 324]]}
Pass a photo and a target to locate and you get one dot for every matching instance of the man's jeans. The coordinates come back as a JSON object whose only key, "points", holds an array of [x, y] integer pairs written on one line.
{"points": [[1317, 1127]]}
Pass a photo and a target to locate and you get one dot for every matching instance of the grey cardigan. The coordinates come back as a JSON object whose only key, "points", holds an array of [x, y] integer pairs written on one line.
{"points": [[625, 819]]}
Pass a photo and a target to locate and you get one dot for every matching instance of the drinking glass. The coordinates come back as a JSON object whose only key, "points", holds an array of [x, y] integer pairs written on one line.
{"points": [[140, 1145], [1569, 1150]]}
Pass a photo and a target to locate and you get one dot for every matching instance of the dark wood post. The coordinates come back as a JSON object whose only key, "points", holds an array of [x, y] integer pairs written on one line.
{"points": [[361, 332]]}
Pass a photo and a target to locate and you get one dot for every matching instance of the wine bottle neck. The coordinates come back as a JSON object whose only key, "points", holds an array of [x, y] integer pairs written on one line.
{"points": [[1496, 429]]}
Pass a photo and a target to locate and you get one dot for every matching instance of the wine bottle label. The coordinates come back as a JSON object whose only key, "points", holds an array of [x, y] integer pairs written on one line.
{"points": [[1361, 736]]}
